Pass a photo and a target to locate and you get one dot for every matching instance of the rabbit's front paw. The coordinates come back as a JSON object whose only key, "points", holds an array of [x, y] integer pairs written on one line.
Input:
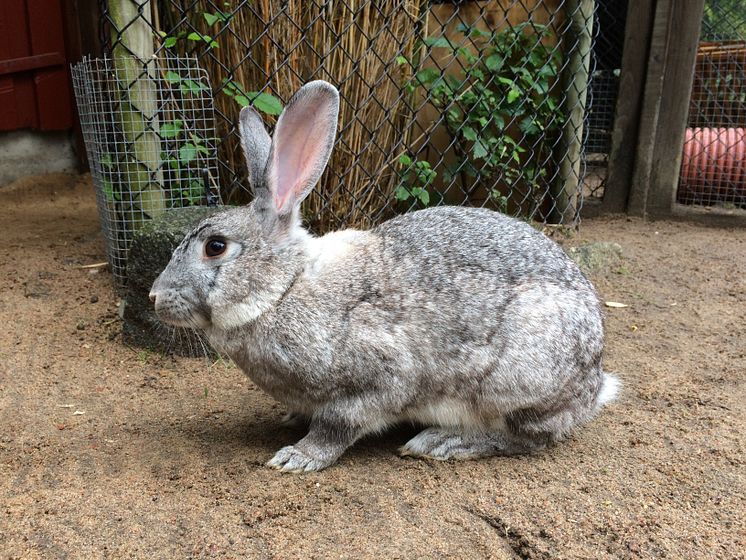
{"points": [[291, 459]]}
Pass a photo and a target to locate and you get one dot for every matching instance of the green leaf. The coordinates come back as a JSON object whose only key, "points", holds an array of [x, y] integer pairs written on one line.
{"points": [[405, 160], [424, 197], [242, 100], [402, 193], [498, 121], [194, 36], [191, 86], [187, 153], [401, 60], [195, 192], [172, 77], [108, 190], [529, 126], [513, 94], [451, 172], [437, 42], [211, 19], [427, 75], [469, 133], [479, 150], [171, 130], [494, 62], [169, 42], [265, 102]]}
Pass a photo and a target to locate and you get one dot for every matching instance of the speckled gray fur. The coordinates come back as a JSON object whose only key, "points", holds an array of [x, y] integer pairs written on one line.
{"points": [[464, 320]]}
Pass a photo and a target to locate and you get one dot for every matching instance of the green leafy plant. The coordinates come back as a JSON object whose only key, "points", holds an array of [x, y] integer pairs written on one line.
{"points": [[170, 41], [414, 180], [498, 109], [264, 102], [723, 20], [185, 148]]}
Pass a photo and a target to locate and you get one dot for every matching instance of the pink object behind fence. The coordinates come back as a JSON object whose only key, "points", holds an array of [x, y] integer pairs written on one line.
{"points": [[714, 163]]}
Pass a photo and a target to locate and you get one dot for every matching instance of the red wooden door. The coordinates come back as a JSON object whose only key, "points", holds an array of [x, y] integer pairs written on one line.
{"points": [[34, 83]]}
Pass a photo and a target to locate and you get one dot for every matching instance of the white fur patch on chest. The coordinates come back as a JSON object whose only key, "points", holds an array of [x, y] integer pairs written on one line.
{"points": [[326, 251]]}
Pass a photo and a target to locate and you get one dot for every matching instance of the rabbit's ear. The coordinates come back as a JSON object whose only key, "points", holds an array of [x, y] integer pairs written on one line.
{"points": [[256, 144], [302, 144]]}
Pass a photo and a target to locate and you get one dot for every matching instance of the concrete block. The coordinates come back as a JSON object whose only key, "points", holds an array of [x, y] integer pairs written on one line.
{"points": [[30, 152]]}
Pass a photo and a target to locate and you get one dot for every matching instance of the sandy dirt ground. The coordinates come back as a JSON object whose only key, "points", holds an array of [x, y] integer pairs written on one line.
{"points": [[108, 451]]}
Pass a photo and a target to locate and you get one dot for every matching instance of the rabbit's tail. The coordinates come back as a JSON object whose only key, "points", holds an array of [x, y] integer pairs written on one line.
{"points": [[609, 390]]}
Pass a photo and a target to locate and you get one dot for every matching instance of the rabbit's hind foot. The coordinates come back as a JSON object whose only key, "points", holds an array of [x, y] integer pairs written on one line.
{"points": [[449, 443]]}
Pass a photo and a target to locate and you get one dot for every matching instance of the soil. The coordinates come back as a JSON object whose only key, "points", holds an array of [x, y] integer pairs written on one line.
{"points": [[108, 451]]}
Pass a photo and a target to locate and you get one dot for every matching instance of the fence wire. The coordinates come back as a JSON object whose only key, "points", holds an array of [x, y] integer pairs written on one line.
{"points": [[474, 103], [150, 139], [603, 91], [713, 170]]}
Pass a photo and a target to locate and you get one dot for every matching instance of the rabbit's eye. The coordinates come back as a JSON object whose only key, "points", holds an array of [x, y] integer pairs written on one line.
{"points": [[215, 247]]}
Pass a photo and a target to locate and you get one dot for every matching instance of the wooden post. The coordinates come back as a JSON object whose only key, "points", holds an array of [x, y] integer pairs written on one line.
{"points": [[578, 33], [81, 39], [136, 72], [638, 32], [663, 119]]}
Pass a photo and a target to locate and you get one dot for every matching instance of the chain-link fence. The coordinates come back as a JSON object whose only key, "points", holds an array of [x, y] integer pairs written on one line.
{"points": [[606, 67], [713, 170], [478, 103], [150, 140]]}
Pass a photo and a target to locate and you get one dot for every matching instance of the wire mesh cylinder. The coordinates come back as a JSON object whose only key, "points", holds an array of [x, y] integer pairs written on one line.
{"points": [[150, 139]]}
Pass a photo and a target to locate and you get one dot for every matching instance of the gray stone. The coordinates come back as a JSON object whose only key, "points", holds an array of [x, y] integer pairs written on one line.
{"points": [[596, 258], [149, 254]]}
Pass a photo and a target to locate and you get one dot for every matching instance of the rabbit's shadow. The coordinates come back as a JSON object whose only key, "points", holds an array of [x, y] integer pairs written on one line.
{"points": [[265, 433]]}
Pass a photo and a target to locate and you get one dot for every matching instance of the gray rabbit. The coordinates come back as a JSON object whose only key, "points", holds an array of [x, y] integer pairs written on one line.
{"points": [[460, 319]]}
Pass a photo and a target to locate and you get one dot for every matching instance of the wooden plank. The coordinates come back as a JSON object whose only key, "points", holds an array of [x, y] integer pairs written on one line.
{"points": [[54, 100], [8, 115], [650, 110], [13, 26], [664, 113], [637, 38], [35, 62], [81, 27], [686, 20], [17, 93]]}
